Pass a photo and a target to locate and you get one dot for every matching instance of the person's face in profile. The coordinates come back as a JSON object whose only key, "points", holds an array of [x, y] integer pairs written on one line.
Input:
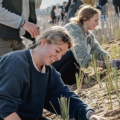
{"points": [[92, 22]]}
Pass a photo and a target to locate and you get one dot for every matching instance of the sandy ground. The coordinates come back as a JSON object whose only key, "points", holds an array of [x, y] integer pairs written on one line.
{"points": [[95, 96]]}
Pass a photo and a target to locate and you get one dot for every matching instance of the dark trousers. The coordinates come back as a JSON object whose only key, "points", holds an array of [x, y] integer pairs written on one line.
{"points": [[62, 17], [68, 67], [117, 9]]}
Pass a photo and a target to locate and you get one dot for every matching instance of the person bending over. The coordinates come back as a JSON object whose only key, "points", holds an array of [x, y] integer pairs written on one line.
{"points": [[80, 26], [28, 82]]}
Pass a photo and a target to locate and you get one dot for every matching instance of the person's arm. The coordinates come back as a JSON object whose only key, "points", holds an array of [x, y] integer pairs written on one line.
{"points": [[80, 50], [13, 116], [96, 49], [10, 92], [38, 3], [8, 18], [15, 21], [56, 89], [67, 6], [62, 12]]}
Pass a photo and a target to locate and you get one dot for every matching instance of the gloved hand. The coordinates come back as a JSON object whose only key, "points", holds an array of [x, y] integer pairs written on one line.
{"points": [[95, 117], [114, 63]]}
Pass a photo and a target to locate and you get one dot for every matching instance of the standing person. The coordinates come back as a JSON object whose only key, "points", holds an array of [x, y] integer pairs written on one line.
{"points": [[58, 13], [89, 2], [63, 11], [17, 18], [116, 4], [28, 82], [71, 8], [52, 13], [103, 4], [80, 26]]}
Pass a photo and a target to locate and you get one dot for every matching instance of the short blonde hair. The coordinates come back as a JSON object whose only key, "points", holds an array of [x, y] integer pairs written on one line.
{"points": [[55, 35], [83, 14]]}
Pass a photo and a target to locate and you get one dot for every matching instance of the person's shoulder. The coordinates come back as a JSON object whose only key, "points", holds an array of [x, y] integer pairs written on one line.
{"points": [[14, 59], [71, 25], [17, 55]]}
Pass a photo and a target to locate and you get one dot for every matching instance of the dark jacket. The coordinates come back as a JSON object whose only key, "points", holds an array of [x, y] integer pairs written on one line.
{"points": [[52, 14], [72, 9], [102, 2], [116, 2], [16, 7], [26, 91]]}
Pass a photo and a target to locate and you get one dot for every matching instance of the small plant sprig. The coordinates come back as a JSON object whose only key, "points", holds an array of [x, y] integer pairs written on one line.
{"points": [[79, 79], [96, 71], [117, 33], [64, 107], [108, 94], [111, 81]]}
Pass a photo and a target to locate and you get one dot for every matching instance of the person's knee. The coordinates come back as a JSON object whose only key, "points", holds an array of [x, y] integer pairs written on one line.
{"points": [[68, 72]]}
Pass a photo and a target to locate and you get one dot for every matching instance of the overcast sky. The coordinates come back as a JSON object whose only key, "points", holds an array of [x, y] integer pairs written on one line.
{"points": [[46, 3]]}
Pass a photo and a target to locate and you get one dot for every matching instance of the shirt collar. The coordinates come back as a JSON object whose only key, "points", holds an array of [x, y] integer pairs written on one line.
{"points": [[43, 70]]}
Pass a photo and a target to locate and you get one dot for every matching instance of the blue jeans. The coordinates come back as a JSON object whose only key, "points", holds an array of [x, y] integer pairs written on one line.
{"points": [[104, 12]]}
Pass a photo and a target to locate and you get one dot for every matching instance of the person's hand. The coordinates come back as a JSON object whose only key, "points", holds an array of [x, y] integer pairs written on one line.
{"points": [[100, 63], [114, 64], [32, 29], [95, 117], [92, 116]]}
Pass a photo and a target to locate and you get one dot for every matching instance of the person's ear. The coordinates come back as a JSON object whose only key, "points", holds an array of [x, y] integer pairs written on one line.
{"points": [[84, 19], [43, 42]]}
